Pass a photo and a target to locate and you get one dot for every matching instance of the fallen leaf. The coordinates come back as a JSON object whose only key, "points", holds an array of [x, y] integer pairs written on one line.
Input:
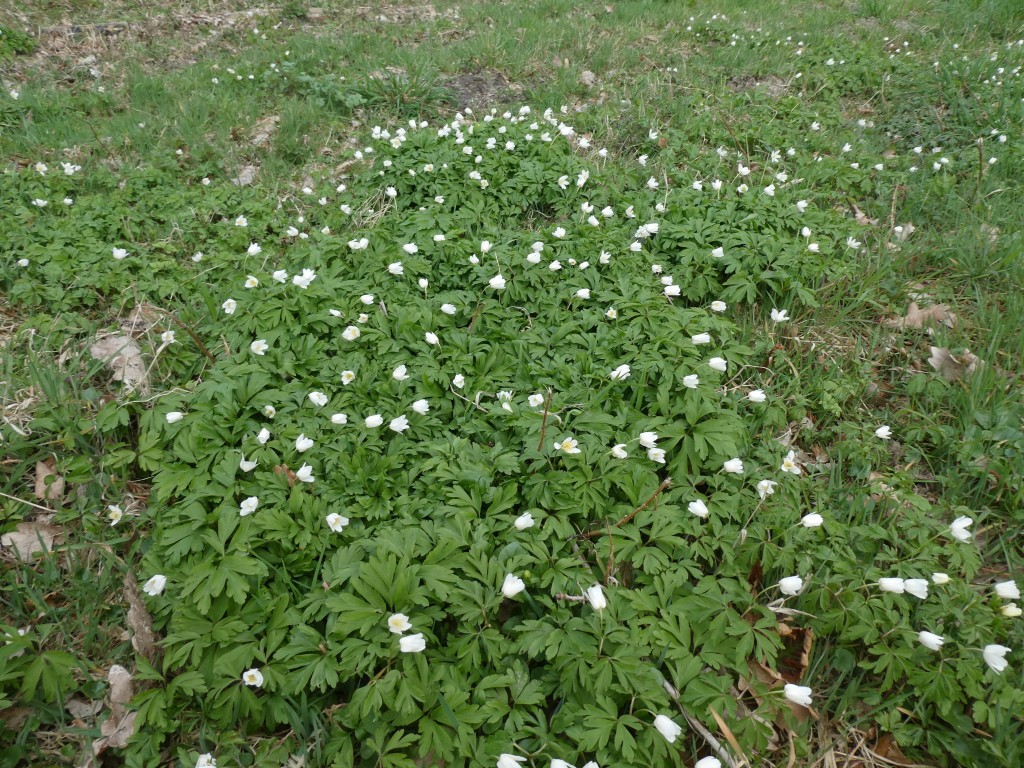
{"points": [[80, 709], [902, 231], [587, 77], [795, 656], [29, 538], [954, 367], [120, 725], [264, 130], [284, 471], [918, 317], [246, 176], [120, 680], [124, 356], [50, 490], [140, 624], [862, 218]]}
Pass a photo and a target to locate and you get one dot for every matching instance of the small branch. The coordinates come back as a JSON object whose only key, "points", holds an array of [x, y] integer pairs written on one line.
{"points": [[594, 534], [981, 165], [190, 332], [715, 744], [544, 423], [571, 598]]}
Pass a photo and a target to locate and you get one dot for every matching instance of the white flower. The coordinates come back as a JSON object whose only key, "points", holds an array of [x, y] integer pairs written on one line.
{"points": [[40, 203], [611, 313], [619, 451], [708, 762], [583, 293], [246, 466], [940, 578], [692, 381], [734, 466], [568, 445], [358, 245], [167, 337], [510, 761], [114, 514], [339, 418], [718, 253], [263, 436], [254, 249], [259, 347], [853, 243], [883, 432], [280, 276], [798, 694], [206, 760], [448, 309], [458, 381], [303, 443], [789, 464], [351, 333], [399, 623], [620, 374], [718, 363], [401, 373], [930, 640], [958, 528], [251, 282], [1007, 590], [399, 424], [780, 315], [155, 585], [269, 411], [512, 586], [554, 266], [303, 280], [497, 282], [766, 488], [698, 508], [894, 585], [656, 455], [524, 521], [672, 290], [229, 306], [648, 439], [120, 253], [396, 268], [305, 473], [995, 657], [1011, 610], [421, 407], [701, 338], [248, 506], [431, 338], [757, 396], [23, 262], [373, 421], [813, 520], [174, 416], [718, 306], [241, 221], [595, 596], [253, 677], [409, 248], [791, 585], [916, 587], [318, 398], [668, 728], [336, 522]]}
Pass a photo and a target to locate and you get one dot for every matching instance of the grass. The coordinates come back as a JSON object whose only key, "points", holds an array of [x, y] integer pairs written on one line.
{"points": [[749, 77]]}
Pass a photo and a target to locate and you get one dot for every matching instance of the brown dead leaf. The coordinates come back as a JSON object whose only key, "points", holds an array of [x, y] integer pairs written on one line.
{"points": [[264, 130], [903, 231], [140, 624], [246, 176], [954, 366], [795, 656], [120, 725], [284, 471], [124, 356], [919, 317], [862, 218], [82, 709], [588, 78], [31, 537], [49, 485]]}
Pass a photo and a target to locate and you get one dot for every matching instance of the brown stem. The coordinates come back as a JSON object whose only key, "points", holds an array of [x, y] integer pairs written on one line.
{"points": [[544, 423], [190, 332], [594, 534]]}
